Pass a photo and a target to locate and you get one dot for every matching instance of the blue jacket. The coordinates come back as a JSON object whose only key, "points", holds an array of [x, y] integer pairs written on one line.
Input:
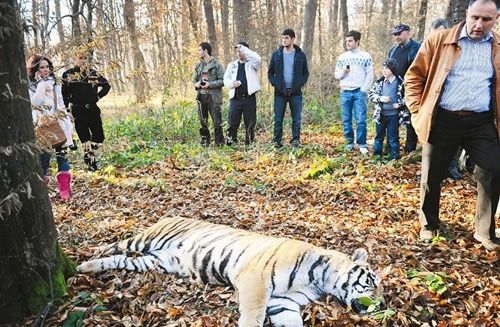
{"points": [[300, 72], [412, 50]]}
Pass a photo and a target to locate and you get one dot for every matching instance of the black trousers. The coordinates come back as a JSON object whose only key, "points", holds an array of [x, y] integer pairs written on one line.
{"points": [[88, 123], [207, 106], [411, 138], [246, 106], [478, 136]]}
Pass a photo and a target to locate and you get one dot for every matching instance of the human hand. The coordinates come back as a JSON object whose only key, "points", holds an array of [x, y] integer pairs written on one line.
{"points": [[384, 99], [236, 84], [197, 85], [205, 85], [396, 105]]}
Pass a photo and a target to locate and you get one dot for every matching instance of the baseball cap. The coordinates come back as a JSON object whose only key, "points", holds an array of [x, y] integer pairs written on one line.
{"points": [[400, 28]]}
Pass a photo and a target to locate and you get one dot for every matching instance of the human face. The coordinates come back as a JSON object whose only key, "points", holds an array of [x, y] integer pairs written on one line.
{"points": [[81, 61], [201, 52], [287, 41], [401, 37], [239, 54], [350, 43], [386, 72], [480, 19], [43, 68]]}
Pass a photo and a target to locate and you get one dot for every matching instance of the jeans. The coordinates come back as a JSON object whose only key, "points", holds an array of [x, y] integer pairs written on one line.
{"points": [[280, 102], [242, 106], [478, 135], [354, 102], [62, 161], [391, 125]]}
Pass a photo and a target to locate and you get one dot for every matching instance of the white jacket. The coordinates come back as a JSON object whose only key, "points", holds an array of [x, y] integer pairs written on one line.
{"points": [[252, 65], [42, 96]]}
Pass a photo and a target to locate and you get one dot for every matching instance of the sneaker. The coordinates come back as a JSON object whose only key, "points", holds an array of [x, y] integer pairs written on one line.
{"points": [[426, 235], [363, 150], [349, 147], [295, 144], [278, 145], [488, 244]]}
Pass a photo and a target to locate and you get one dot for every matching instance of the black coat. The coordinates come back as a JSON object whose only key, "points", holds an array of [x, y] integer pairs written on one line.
{"points": [[300, 72]]}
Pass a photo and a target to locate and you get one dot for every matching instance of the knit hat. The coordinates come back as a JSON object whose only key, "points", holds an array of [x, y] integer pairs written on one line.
{"points": [[392, 64]]}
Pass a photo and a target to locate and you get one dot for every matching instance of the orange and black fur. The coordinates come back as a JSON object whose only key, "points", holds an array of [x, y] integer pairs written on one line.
{"points": [[273, 276]]}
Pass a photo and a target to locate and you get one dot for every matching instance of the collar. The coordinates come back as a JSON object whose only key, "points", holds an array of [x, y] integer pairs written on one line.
{"points": [[464, 35], [404, 46], [391, 79], [355, 50]]}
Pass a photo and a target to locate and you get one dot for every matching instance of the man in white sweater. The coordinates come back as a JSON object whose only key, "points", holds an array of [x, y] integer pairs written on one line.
{"points": [[354, 69], [242, 81]]}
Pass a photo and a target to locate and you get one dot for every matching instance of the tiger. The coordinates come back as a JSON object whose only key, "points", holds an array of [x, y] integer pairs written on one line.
{"points": [[273, 276]]}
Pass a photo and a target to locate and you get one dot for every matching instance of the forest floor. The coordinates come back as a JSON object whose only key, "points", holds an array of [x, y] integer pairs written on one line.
{"points": [[318, 193]]}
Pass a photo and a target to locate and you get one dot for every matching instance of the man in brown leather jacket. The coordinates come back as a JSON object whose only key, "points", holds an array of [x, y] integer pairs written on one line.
{"points": [[452, 90]]}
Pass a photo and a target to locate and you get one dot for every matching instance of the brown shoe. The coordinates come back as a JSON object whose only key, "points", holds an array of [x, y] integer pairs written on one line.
{"points": [[426, 235], [488, 244]]}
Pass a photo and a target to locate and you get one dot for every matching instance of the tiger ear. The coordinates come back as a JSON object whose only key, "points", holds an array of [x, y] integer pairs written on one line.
{"points": [[360, 255]]}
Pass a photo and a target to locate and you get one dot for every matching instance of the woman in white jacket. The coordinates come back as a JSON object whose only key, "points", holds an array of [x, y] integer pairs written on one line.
{"points": [[46, 98]]}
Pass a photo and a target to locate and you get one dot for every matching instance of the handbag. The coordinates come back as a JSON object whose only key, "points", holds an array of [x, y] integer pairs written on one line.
{"points": [[48, 131]]}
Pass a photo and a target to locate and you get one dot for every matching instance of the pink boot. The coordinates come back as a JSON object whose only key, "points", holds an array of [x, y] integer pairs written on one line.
{"points": [[64, 184], [46, 179]]}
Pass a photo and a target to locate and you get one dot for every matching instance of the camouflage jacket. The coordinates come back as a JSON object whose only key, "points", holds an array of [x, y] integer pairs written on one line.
{"points": [[374, 96]]}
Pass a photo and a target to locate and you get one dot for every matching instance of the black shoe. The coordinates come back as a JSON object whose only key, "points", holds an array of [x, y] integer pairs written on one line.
{"points": [[204, 142], [278, 145], [295, 144], [454, 174]]}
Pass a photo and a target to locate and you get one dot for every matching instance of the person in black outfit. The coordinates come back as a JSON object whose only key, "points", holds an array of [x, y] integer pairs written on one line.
{"points": [[83, 87], [404, 52]]}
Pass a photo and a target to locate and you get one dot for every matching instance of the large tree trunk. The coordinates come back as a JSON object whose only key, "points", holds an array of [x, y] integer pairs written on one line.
{"points": [[140, 81], [76, 32], [224, 13], [455, 11], [31, 265], [209, 15], [241, 10], [60, 28], [422, 14], [308, 27], [193, 20], [345, 17]]}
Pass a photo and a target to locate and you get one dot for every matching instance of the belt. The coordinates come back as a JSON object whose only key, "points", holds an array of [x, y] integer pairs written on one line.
{"points": [[463, 113], [242, 96], [204, 92]]}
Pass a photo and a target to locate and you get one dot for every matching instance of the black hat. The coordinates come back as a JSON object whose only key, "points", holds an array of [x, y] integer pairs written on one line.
{"points": [[400, 28], [392, 64], [242, 43]]}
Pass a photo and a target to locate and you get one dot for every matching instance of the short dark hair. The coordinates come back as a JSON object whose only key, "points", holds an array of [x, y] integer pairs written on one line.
{"points": [[289, 32], [355, 35], [497, 3], [438, 22], [206, 46]]}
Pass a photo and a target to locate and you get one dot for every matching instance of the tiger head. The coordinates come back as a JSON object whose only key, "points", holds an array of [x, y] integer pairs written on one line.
{"points": [[356, 280]]}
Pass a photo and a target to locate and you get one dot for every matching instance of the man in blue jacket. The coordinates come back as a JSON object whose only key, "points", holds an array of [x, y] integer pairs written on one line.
{"points": [[287, 73], [404, 52]]}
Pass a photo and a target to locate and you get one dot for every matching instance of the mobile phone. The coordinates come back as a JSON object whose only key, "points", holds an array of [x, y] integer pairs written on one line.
{"points": [[348, 66]]}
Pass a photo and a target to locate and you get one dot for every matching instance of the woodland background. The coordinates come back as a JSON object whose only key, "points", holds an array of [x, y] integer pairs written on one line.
{"points": [[153, 167]]}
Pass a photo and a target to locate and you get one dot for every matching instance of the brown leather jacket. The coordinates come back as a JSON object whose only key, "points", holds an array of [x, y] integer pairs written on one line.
{"points": [[427, 74]]}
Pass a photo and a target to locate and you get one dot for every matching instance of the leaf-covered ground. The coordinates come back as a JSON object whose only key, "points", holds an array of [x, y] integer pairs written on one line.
{"points": [[319, 194]]}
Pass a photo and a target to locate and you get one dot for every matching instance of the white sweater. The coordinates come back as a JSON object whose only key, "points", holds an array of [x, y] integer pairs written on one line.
{"points": [[252, 65], [42, 96], [361, 66]]}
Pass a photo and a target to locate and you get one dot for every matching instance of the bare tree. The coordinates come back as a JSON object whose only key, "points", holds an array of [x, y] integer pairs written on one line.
{"points": [[60, 28], [455, 11], [32, 265], [193, 14], [76, 32], [308, 27], [140, 81], [422, 15], [224, 13], [209, 15], [241, 22], [345, 17]]}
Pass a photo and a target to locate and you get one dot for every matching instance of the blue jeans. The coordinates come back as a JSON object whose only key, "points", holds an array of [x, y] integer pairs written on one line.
{"points": [[354, 102], [391, 125], [62, 161], [280, 102]]}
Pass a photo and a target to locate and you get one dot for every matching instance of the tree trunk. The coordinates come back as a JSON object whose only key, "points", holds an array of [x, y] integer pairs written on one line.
{"points": [[455, 12], [76, 32], [60, 28], [209, 15], [240, 18], [309, 24], [345, 17], [193, 20], [34, 24], [333, 15], [422, 14], [224, 13], [140, 81], [31, 264]]}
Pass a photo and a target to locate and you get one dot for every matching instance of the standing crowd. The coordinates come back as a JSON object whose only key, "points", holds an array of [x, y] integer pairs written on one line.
{"points": [[445, 92]]}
